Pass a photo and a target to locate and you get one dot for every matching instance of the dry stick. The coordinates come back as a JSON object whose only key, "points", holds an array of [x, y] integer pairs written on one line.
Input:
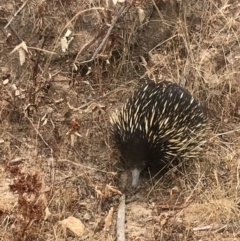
{"points": [[122, 9], [159, 12], [210, 227], [238, 167], [15, 14], [121, 219], [15, 32], [87, 45]]}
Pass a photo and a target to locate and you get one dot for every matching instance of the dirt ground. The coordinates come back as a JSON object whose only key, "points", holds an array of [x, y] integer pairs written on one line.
{"points": [[60, 177]]}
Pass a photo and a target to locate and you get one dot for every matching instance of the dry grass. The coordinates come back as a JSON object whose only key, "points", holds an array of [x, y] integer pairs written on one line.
{"points": [[55, 150]]}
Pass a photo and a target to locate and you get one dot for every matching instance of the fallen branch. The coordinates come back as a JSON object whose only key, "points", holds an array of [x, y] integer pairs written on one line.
{"points": [[121, 219]]}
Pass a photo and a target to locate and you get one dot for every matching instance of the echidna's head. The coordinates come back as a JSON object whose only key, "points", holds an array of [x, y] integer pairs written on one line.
{"points": [[136, 154], [134, 150]]}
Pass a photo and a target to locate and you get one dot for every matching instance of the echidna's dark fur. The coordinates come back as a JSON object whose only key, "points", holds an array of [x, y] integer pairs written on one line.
{"points": [[159, 124]]}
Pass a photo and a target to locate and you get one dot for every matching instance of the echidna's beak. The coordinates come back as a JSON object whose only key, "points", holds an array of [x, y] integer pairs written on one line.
{"points": [[135, 177]]}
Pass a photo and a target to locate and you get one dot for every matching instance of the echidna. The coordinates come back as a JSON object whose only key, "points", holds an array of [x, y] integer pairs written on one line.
{"points": [[158, 126]]}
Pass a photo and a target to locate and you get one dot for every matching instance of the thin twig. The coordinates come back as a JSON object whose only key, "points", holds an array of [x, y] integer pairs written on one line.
{"points": [[15, 32], [15, 14], [88, 44], [40, 135], [121, 11], [96, 100], [87, 167], [210, 227]]}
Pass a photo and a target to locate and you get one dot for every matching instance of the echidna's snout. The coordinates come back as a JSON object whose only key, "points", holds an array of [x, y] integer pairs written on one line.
{"points": [[135, 177]]}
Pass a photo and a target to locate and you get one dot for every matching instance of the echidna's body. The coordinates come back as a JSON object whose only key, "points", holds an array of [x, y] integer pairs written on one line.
{"points": [[159, 124]]}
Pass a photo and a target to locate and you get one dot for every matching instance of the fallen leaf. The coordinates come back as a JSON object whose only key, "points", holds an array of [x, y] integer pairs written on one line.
{"points": [[74, 225], [22, 50], [108, 219], [114, 190], [6, 81], [47, 213], [141, 15], [118, 1], [66, 40]]}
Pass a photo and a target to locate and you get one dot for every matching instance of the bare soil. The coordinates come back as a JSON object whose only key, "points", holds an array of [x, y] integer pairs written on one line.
{"points": [[56, 156]]}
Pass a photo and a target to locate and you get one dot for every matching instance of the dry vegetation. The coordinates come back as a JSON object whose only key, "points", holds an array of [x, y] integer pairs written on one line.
{"points": [[57, 166]]}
